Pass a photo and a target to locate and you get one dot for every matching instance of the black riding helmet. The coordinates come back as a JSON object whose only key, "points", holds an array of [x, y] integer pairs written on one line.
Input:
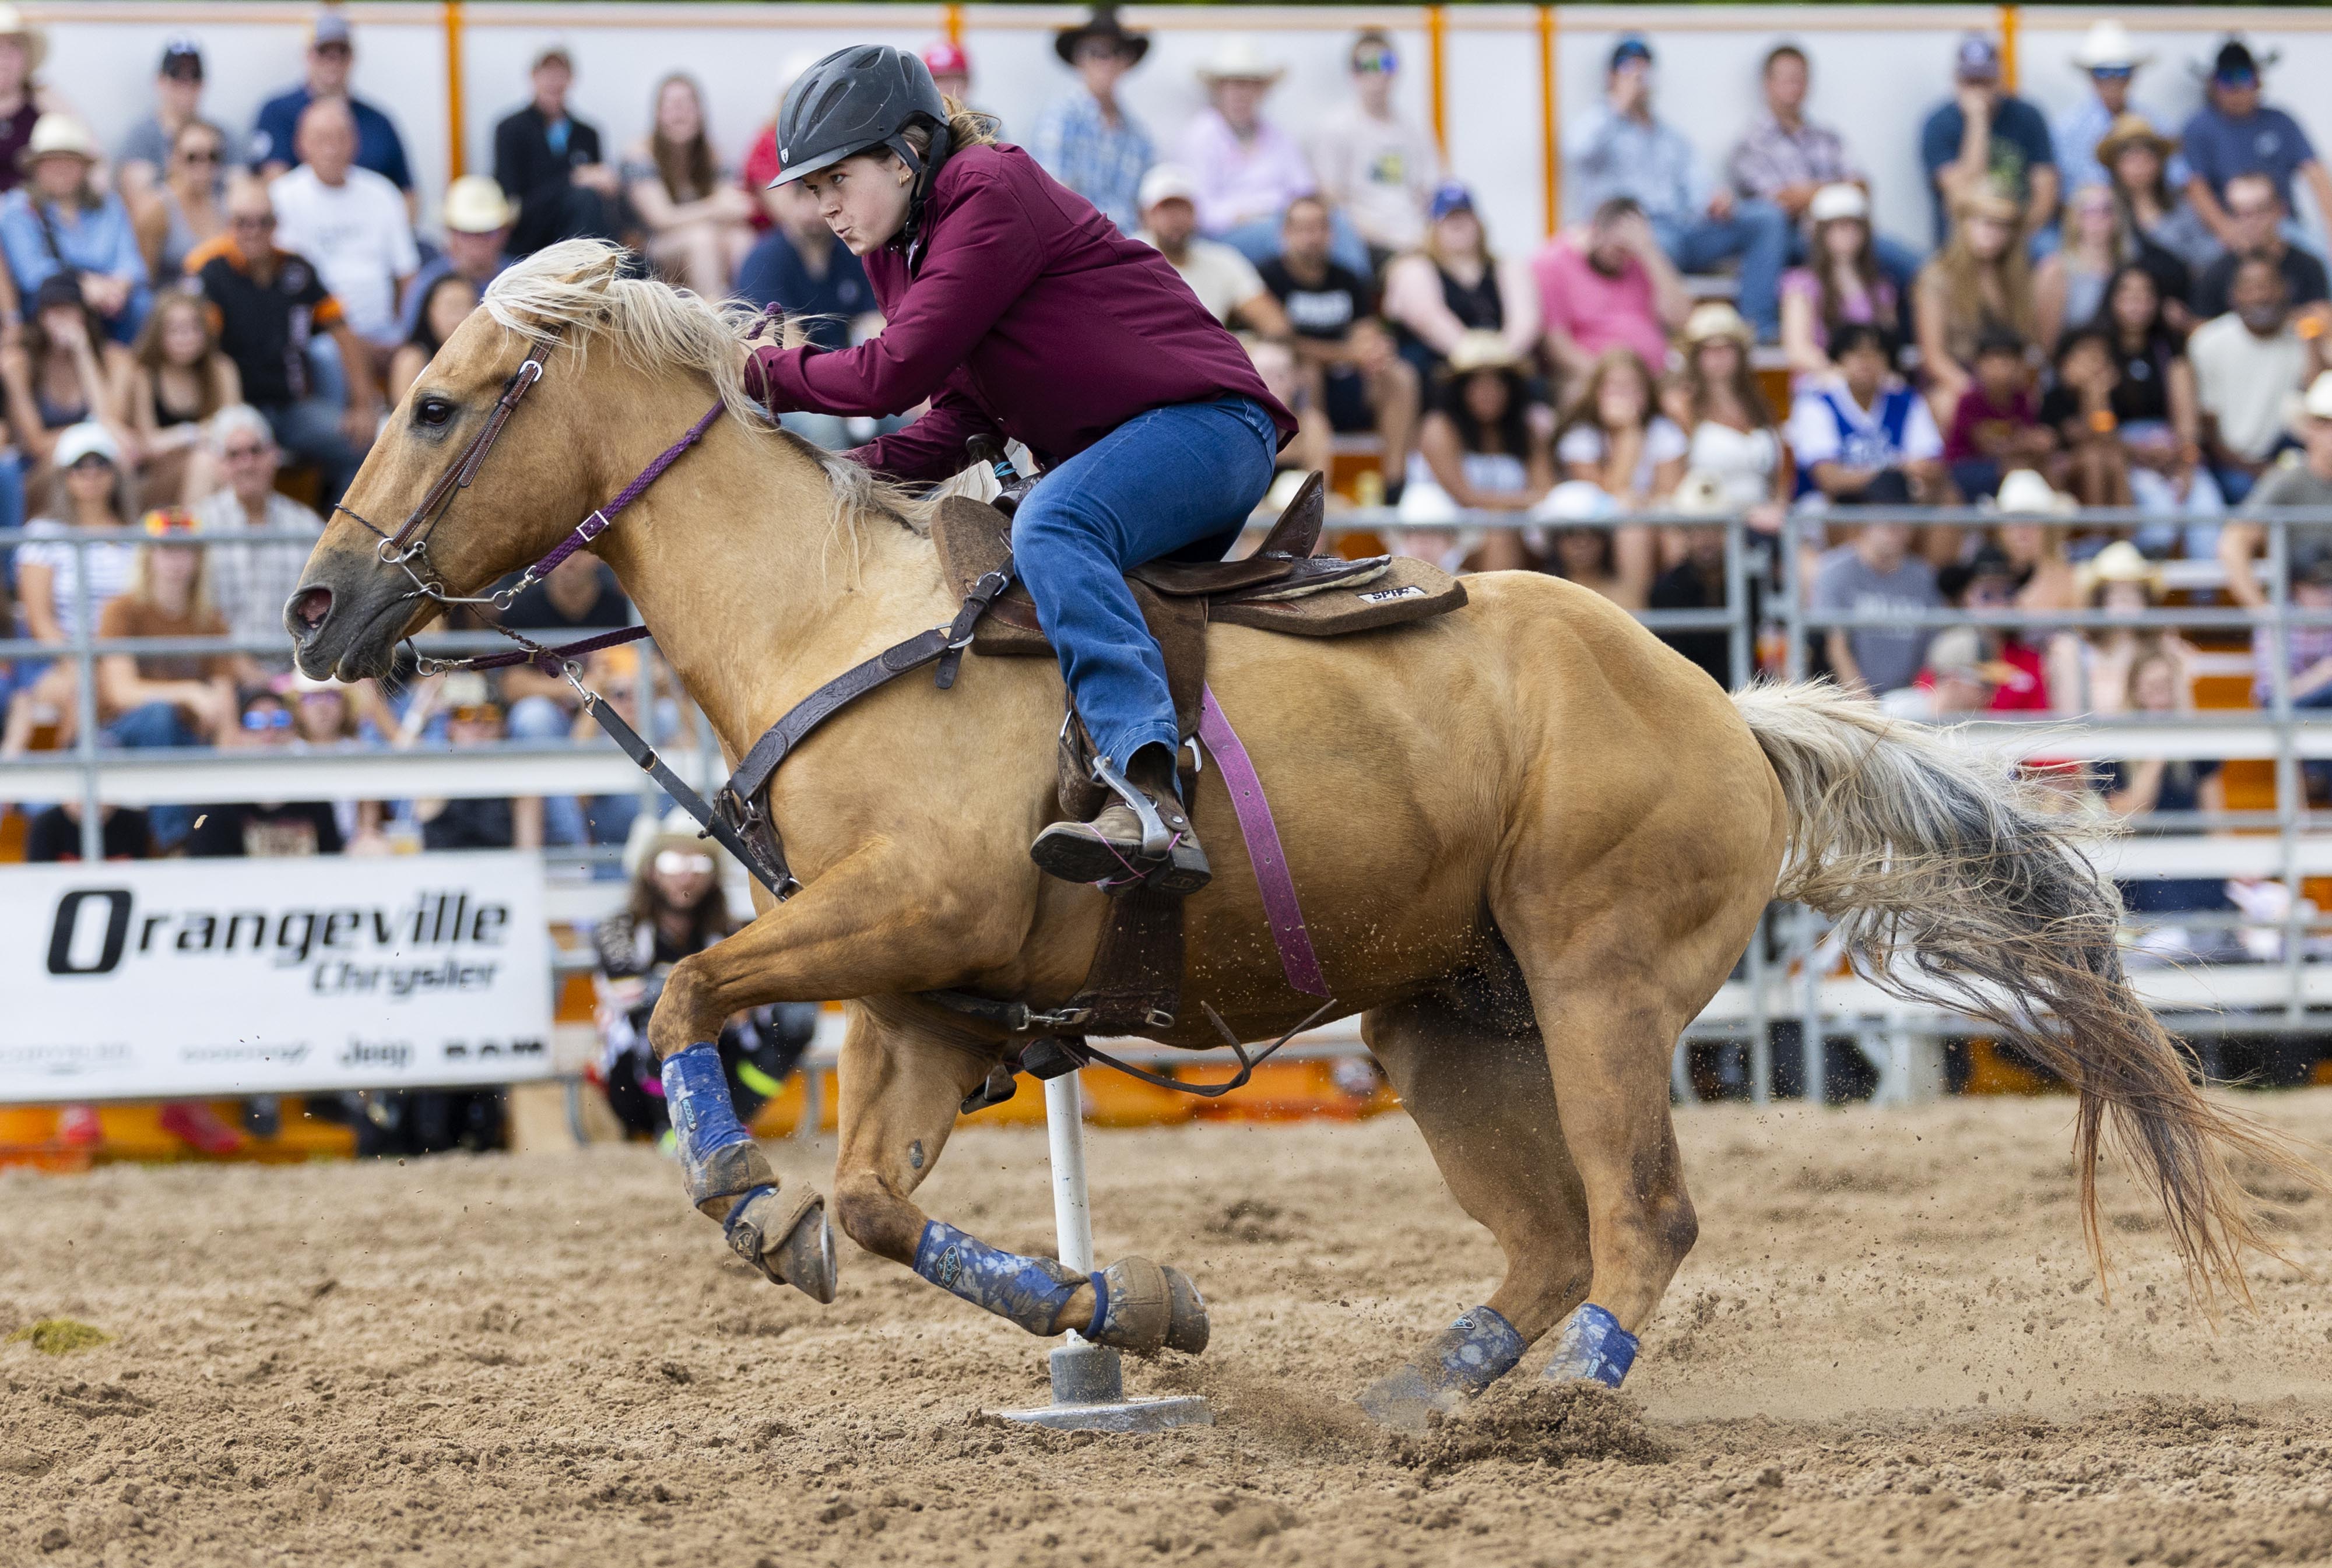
{"points": [[855, 101]]}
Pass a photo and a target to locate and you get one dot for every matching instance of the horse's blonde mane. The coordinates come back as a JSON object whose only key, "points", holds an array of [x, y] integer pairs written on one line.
{"points": [[575, 291]]}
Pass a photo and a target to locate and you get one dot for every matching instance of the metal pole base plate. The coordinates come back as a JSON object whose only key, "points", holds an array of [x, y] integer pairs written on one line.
{"points": [[1089, 1396]]}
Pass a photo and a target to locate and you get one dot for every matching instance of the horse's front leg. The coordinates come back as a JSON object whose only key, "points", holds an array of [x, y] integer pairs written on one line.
{"points": [[903, 1083], [839, 937]]}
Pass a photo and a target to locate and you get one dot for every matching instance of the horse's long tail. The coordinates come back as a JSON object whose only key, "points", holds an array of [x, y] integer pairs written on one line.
{"points": [[1953, 888]]}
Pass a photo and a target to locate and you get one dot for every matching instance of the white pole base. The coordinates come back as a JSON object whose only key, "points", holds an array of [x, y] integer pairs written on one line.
{"points": [[1089, 1396]]}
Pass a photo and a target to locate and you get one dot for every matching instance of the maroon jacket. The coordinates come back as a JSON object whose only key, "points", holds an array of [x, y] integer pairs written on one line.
{"points": [[1028, 314]]}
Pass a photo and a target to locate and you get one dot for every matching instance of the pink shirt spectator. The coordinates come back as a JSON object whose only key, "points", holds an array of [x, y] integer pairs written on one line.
{"points": [[1595, 312], [1241, 181]]}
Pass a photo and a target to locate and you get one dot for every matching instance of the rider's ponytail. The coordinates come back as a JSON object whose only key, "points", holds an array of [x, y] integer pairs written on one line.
{"points": [[966, 128]]}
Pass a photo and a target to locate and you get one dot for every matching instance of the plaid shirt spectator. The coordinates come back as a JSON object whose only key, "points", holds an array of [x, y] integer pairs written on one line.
{"points": [[1650, 162], [251, 583], [1101, 162], [1771, 158]]}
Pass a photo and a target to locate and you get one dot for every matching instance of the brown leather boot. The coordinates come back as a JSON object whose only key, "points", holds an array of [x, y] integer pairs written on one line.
{"points": [[1118, 849]]}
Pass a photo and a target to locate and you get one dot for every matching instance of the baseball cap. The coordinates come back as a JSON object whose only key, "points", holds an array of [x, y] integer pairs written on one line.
{"points": [[331, 27], [1977, 60], [946, 58], [1631, 46], [551, 52], [1840, 200], [1449, 196], [1166, 182], [178, 54], [86, 439]]}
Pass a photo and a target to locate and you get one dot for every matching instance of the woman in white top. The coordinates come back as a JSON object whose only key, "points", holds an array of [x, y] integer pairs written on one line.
{"points": [[92, 491], [1729, 424], [1615, 436]]}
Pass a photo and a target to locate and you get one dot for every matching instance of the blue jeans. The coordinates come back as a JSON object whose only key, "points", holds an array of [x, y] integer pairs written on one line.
{"points": [[158, 724], [1758, 232], [1175, 477]]}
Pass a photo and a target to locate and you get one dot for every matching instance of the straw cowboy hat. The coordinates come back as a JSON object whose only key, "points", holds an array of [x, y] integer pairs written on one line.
{"points": [[650, 837], [2318, 403], [1700, 493], [31, 39], [2107, 46], [1104, 26], [57, 135], [1236, 59], [475, 205], [2129, 131], [2119, 562], [1477, 349], [1716, 319], [2024, 492]]}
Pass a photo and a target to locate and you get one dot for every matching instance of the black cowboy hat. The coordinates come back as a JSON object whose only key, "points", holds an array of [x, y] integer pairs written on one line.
{"points": [[1101, 24]]}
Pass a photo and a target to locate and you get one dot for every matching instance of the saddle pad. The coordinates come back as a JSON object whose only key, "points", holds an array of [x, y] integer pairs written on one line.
{"points": [[1406, 590]]}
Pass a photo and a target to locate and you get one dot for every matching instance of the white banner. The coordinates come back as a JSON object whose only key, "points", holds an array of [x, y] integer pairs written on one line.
{"points": [[143, 979]]}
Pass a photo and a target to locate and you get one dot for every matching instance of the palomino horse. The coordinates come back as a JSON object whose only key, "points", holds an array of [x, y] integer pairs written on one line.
{"points": [[1567, 832]]}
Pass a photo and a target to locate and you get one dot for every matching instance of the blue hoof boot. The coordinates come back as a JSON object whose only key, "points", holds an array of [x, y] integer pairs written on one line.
{"points": [[1471, 1354], [1593, 1346]]}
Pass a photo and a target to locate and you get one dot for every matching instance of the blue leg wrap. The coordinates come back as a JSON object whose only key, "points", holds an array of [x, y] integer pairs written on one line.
{"points": [[1593, 1346], [1467, 1357], [1029, 1291], [718, 1156]]}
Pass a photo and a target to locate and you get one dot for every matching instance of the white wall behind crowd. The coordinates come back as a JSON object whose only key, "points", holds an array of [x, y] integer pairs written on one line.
{"points": [[1879, 69], [270, 976]]}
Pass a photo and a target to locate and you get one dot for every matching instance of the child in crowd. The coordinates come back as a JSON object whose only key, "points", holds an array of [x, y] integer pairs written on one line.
{"points": [[1996, 425], [1615, 436]]}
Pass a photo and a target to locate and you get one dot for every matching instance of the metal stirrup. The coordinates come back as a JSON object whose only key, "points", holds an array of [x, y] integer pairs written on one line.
{"points": [[1156, 840]]}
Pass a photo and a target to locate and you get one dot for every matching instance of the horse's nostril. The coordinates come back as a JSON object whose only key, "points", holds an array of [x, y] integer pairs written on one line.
{"points": [[309, 608]]}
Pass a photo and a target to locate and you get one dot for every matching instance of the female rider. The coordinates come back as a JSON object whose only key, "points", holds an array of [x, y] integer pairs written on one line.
{"points": [[1021, 311]]}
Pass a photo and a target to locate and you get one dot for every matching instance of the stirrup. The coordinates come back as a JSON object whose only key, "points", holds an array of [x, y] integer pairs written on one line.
{"points": [[1157, 836], [1177, 864]]}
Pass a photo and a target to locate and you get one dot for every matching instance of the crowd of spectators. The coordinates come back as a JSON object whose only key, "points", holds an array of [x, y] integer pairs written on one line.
{"points": [[201, 328]]}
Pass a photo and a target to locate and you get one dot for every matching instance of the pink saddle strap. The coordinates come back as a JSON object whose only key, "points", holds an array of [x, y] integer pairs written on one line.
{"points": [[1280, 906]]}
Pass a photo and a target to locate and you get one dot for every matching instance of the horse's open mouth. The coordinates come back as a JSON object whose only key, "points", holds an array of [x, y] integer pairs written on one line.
{"points": [[346, 633]]}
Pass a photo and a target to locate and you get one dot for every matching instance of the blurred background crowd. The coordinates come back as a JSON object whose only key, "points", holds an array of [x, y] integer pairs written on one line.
{"points": [[202, 327]]}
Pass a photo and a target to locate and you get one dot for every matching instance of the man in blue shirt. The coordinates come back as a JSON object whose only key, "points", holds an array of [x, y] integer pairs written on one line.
{"points": [[332, 52], [2233, 133], [1986, 136], [1617, 148], [805, 270]]}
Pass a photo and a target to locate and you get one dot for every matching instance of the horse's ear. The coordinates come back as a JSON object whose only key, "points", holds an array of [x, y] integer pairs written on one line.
{"points": [[557, 284]]}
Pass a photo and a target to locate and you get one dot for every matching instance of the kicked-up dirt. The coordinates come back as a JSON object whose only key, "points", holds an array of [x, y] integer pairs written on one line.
{"points": [[1888, 1346]]}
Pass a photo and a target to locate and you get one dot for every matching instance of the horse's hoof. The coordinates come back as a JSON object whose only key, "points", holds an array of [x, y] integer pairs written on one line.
{"points": [[1186, 1325], [1138, 1311], [804, 1259], [1405, 1401]]}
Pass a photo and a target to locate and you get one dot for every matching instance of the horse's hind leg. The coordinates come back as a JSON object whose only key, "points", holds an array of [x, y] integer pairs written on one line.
{"points": [[1479, 1090], [1613, 987], [901, 1088]]}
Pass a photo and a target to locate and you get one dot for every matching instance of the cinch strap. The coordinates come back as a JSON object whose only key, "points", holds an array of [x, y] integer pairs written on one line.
{"points": [[1280, 906], [1028, 1291]]}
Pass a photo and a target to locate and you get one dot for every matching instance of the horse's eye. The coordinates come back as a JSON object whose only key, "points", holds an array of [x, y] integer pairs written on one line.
{"points": [[432, 411]]}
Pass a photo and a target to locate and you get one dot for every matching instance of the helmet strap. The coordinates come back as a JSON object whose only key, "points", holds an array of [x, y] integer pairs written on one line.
{"points": [[926, 170]]}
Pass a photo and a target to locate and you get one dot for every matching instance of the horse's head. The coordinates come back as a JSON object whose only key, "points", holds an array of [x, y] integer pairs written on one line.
{"points": [[530, 481]]}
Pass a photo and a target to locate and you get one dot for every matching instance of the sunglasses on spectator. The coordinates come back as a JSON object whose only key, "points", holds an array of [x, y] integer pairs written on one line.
{"points": [[165, 520], [267, 718], [342, 50], [1372, 63], [2112, 73], [198, 155], [88, 461], [681, 863], [477, 713]]}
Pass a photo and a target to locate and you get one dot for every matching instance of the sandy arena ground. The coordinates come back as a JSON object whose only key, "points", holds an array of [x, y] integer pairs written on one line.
{"points": [[1888, 1346]]}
